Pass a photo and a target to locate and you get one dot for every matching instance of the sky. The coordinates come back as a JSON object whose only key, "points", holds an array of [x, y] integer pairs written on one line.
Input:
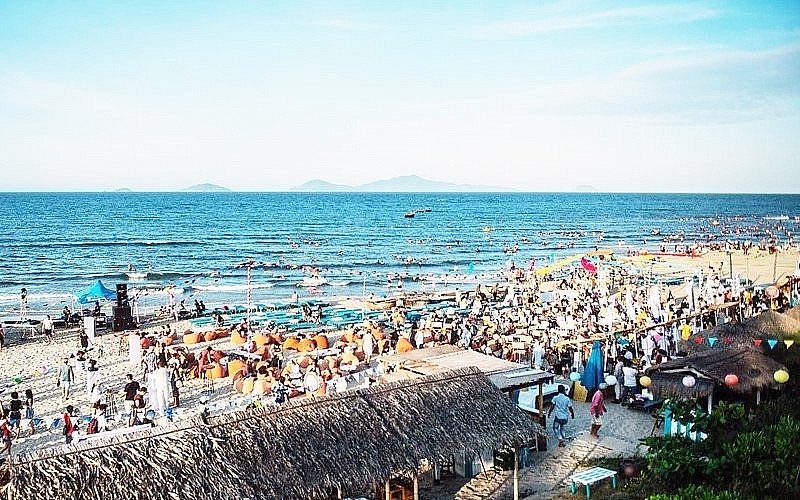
{"points": [[630, 96]]}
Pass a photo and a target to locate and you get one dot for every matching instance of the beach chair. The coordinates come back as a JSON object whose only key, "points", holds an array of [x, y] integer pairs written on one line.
{"points": [[56, 425], [519, 351]]}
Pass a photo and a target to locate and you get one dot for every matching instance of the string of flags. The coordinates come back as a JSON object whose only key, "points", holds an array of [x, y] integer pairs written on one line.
{"points": [[771, 342]]}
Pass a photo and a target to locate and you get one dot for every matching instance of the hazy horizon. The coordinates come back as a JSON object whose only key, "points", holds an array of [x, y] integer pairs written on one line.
{"points": [[681, 97]]}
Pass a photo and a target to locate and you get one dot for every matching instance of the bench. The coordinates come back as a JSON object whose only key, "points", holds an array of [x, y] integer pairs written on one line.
{"points": [[591, 476]]}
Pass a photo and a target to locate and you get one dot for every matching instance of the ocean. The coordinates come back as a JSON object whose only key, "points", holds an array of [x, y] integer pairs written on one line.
{"points": [[56, 244]]}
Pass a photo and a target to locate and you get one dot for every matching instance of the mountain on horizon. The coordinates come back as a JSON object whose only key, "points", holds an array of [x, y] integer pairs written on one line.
{"points": [[206, 188], [318, 185], [402, 184]]}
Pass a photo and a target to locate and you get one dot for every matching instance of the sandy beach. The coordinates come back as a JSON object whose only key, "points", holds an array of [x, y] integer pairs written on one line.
{"points": [[32, 364]]}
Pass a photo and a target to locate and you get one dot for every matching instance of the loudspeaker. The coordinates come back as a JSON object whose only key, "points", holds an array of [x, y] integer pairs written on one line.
{"points": [[122, 294], [123, 319]]}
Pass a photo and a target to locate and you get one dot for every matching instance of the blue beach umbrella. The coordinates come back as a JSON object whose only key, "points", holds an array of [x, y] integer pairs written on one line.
{"points": [[593, 373]]}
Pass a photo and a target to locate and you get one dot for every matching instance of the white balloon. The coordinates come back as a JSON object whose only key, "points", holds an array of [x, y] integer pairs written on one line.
{"points": [[611, 380], [689, 381]]}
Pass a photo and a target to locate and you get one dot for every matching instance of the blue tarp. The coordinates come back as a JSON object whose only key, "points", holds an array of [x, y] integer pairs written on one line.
{"points": [[593, 373], [97, 291]]}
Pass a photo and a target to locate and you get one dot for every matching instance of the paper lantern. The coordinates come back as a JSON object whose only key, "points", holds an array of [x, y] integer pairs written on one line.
{"points": [[17, 380], [788, 343], [44, 369], [781, 376], [36, 373], [645, 381], [757, 342], [611, 380], [772, 343], [689, 381], [731, 380], [574, 376], [698, 340], [728, 340], [712, 341]]}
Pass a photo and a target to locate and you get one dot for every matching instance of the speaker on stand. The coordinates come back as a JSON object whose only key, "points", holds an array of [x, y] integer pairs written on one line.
{"points": [[122, 294]]}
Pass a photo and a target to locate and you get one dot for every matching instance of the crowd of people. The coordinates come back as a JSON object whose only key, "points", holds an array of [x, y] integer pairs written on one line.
{"points": [[554, 317]]}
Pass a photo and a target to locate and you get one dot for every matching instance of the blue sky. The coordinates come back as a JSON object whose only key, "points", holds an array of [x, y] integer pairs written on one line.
{"points": [[536, 96]]}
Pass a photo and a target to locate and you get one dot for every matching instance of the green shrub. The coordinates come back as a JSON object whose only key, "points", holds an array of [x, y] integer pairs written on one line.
{"points": [[698, 492]]}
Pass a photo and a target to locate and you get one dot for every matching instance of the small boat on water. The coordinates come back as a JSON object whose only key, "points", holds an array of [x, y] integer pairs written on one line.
{"points": [[134, 276], [313, 281], [410, 215]]}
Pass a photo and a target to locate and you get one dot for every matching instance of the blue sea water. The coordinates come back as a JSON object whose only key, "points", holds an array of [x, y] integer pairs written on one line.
{"points": [[55, 244]]}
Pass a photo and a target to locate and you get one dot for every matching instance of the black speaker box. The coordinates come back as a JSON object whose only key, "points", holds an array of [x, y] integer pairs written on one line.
{"points": [[123, 319]]}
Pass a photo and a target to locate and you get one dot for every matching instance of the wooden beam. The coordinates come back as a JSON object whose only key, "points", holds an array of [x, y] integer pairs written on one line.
{"points": [[416, 486], [387, 491], [516, 472], [542, 418]]}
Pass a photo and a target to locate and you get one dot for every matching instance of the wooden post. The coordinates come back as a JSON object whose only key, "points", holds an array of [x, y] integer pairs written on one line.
{"points": [[387, 491], [516, 472], [774, 265], [540, 401], [416, 486]]}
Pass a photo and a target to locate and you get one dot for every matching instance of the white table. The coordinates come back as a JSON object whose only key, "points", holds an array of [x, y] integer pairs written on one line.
{"points": [[591, 476]]}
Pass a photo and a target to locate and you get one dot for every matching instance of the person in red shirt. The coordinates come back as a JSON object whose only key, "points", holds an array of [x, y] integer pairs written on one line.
{"points": [[5, 432], [69, 426], [597, 409]]}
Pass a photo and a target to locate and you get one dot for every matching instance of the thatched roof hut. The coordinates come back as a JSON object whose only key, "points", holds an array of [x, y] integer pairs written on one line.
{"points": [[709, 368], [768, 324], [794, 313], [302, 449]]}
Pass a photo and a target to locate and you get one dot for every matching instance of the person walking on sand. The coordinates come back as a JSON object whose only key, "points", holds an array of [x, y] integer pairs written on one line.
{"points": [[597, 409], [563, 408], [65, 378], [47, 329], [68, 424], [6, 433]]}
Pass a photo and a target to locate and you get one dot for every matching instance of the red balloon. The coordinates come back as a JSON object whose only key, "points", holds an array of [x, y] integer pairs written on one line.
{"points": [[731, 380]]}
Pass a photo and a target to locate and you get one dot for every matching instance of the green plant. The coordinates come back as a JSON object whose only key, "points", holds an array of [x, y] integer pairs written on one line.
{"points": [[673, 457], [763, 462], [699, 492]]}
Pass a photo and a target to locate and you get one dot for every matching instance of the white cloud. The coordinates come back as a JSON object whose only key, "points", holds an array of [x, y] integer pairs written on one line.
{"points": [[541, 22]]}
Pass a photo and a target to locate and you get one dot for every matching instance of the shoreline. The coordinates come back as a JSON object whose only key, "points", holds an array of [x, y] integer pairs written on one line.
{"points": [[24, 360]]}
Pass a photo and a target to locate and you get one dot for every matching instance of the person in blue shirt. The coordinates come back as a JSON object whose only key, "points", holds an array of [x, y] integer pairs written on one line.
{"points": [[562, 406]]}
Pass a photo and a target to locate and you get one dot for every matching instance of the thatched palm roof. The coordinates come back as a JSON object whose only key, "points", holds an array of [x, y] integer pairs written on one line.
{"points": [[298, 450], [768, 324], [754, 370], [794, 313]]}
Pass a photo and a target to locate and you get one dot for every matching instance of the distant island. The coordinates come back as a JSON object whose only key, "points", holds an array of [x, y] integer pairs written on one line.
{"points": [[405, 183], [206, 188]]}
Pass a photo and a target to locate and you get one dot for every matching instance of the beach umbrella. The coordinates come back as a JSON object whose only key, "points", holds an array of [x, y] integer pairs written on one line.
{"points": [[593, 373]]}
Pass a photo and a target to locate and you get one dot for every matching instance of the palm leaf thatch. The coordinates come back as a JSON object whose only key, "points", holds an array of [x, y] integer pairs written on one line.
{"points": [[767, 324], [302, 449], [754, 370], [794, 313]]}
